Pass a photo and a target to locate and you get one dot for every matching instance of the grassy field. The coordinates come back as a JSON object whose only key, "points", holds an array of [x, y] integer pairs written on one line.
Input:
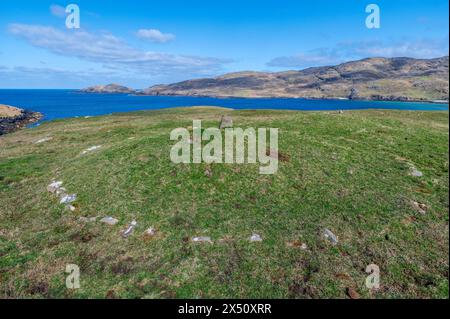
{"points": [[349, 173]]}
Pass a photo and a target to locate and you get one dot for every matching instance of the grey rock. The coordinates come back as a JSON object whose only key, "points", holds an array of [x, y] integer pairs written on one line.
{"points": [[67, 199], [202, 240], [129, 230], [416, 173], [328, 234], [255, 238], [54, 186], [150, 232], [225, 122], [109, 220]]}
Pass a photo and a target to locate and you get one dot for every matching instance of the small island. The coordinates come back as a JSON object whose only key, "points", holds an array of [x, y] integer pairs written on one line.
{"points": [[108, 89]]}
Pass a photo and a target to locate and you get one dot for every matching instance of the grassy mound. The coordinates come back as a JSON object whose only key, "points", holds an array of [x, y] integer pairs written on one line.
{"points": [[349, 173]]}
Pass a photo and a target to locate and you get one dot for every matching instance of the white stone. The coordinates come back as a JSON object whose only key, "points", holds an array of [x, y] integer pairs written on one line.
{"points": [[42, 140], [328, 234], [54, 186], [109, 220], [66, 199], [91, 149], [255, 238], [202, 239]]}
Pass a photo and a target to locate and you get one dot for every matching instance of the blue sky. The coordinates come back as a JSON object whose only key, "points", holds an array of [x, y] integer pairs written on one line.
{"points": [[142, 43]]}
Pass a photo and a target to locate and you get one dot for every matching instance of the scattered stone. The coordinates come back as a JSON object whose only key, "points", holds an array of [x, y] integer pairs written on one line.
{"points": [[42, 140], [60, 191], [71, 208], [202, 240], [91, 149], [328, 234], [150, 232], [419, 207], [415, 172], [88, 219], [341, 112], [129, 230], [67, 199], [255, 238], [208, 172], [54, 186], [109, 220], [225, 122]]}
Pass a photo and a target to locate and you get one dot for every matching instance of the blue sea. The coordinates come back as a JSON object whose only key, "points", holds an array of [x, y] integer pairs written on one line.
{"points": [[57, 104]]}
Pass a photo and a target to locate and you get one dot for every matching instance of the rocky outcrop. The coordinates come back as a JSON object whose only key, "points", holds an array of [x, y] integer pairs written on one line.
{"points": [[108, 89], [12, 118], [393, 79]]}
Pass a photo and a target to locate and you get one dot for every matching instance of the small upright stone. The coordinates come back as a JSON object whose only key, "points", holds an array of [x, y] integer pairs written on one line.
{"points": [[225, 122], [328, 234]]}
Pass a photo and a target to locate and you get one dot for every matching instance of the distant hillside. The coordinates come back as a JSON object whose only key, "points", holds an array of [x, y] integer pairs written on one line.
{"points": [[108, 89], [402, 79]]}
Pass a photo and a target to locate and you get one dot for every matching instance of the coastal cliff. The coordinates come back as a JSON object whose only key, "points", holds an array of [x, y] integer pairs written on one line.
{"points": [[13, 118]]}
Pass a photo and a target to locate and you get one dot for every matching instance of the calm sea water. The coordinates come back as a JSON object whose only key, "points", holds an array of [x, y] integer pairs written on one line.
{"points": [[56, 104]]}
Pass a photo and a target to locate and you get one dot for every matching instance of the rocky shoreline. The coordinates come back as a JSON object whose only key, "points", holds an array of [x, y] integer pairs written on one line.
{"points": [[17, 120]]}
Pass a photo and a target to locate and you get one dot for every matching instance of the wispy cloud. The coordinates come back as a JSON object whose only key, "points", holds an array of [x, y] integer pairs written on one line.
{"points": [[58, 11], [345, 51], [155, 35], [110, 50]]}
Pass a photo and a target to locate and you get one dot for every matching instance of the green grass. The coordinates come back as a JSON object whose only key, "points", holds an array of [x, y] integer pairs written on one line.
{"points": [[346, 172]]}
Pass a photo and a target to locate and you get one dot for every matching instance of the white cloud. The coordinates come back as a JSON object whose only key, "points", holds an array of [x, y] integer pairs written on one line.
{"points": [[155, 35], [58, 11], [347, 51], [107, 49]]}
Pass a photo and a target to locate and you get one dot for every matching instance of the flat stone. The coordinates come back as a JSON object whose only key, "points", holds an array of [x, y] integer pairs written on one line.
{"points": [[416, 173], [255, 238], [109, 220], [67, 199], [43, 140], [225, 122], [54, 186], [202, 240], [91, 149], [88, 219], [328, 234]]}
